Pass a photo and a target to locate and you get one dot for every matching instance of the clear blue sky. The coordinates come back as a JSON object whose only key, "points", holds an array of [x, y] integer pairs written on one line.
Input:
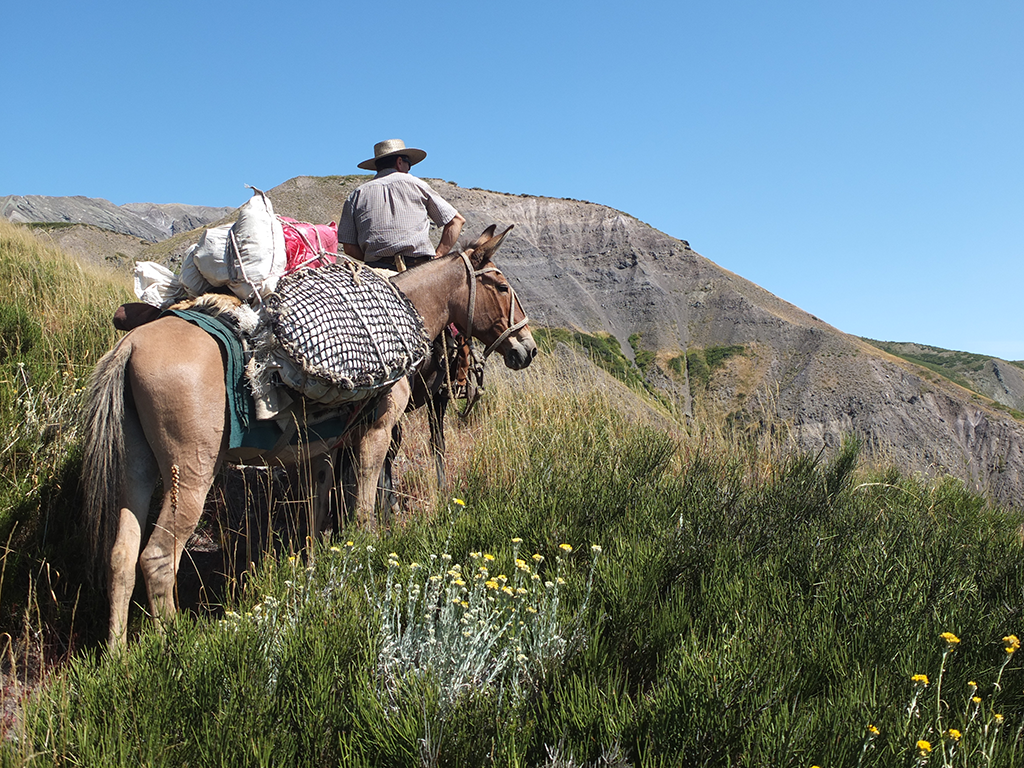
{"points": [[862, 160]]}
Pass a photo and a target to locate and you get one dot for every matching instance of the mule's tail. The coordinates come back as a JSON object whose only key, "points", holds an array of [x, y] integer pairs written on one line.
{"points": [[103, 463]]}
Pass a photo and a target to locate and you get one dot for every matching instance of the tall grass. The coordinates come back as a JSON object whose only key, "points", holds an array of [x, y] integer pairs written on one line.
{"points": [[739, 612], [55, 322]]}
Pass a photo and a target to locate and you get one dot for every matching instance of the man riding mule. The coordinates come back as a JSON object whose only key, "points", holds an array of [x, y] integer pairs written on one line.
{"points": [[157, 411], [386, 222]]}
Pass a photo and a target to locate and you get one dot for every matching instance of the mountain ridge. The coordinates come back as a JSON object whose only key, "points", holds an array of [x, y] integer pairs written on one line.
{"points": [[152, 222]]}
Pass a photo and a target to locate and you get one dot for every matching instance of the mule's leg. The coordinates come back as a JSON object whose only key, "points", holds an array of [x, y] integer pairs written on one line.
{"points": [[176, 376], [387, 499], [186, 486], [136, 492], [371, 452], [436, 409], [321, 471]]}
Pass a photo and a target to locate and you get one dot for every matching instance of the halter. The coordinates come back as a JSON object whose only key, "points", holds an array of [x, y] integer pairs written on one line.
{"points": [[513, 301], [476, 368]]}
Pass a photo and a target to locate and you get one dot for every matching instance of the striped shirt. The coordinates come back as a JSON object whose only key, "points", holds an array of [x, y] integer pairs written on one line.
{"points": [[391, 214]]}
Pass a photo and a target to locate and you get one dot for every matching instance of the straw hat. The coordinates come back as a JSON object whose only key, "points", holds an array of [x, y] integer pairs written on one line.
{"points": [[389, 148]]}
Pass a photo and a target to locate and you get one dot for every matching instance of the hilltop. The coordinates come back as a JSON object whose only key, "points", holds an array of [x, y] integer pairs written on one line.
{"points": [[720, 347]]}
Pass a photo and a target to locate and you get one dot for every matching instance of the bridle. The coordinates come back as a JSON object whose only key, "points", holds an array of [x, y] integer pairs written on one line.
{"points": [[473, 274], [478, 361]]}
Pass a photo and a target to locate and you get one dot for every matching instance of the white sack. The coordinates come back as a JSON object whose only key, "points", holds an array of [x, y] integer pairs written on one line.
{"points": [[191, 277], [211, 255], [155, 284], [257, 243]]}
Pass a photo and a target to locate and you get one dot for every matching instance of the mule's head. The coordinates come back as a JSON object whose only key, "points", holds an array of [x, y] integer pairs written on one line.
{"points": [[499, 320]]}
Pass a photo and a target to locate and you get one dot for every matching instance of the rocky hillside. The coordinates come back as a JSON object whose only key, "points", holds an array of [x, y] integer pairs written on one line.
{"points": [[144, 221], [997, 379], [722, 346]]}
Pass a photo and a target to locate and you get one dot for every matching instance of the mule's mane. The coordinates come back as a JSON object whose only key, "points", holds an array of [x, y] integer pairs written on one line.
{"points": [[212, 304], [223, 306]]}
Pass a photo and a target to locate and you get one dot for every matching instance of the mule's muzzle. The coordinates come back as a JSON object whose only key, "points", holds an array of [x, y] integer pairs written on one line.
{"points": [[520, 353]]}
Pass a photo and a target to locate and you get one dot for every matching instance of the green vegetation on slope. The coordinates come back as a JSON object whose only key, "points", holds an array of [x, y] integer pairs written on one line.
{"points": [[746, 608], [55, 322], [702, 363], [949, 363], [605, 350]]}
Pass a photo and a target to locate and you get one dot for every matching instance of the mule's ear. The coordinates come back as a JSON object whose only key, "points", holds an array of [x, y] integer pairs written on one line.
{"points": [[487, 235], [486, 252]]}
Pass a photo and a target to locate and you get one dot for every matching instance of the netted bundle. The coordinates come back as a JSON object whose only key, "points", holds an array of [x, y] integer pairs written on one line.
{"points": [[346, 327]]}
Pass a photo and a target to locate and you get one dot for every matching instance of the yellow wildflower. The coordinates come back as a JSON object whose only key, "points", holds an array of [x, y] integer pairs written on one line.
{"points": [[998, 718], [976, 700], [872, 731], [596, 549], [565, 548], [954, 734], [491, 584], [538, 558], [924, 747], [475, 555], [460, 502], [517, 540], [488, 557], [1012, 644], [921, 680], [350, 544], [951, 640]]}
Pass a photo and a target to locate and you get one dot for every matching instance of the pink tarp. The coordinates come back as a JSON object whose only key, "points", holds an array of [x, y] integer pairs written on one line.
{"points": [[307, 244]]}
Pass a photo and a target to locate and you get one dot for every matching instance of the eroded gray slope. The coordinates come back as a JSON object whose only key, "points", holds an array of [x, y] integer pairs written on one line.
{"points": [[147, 221]]}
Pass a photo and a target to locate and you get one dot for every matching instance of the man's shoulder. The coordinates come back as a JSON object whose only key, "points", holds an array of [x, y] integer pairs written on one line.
{"points": [[403, 178]]}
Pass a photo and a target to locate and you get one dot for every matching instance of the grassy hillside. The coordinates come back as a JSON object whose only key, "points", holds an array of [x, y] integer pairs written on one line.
{"points": [[946, 361], [55, 322], [592, 591]]}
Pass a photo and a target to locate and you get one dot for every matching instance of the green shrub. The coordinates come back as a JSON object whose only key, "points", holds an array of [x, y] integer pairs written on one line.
{"points": [[702, 363]]}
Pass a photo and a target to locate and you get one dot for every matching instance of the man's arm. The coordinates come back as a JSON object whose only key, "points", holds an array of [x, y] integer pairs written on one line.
{"points": [[449, 236], [354, 251]]}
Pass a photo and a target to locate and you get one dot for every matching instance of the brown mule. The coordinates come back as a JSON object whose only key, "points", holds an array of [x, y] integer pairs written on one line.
{"points": [[157, 410]]}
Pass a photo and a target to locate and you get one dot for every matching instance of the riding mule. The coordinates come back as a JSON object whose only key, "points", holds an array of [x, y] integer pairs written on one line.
{"points": [[157, 410]]}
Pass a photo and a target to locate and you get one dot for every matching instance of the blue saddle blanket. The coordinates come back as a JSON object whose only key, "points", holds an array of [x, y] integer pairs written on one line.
{"points": [[244, 429]]}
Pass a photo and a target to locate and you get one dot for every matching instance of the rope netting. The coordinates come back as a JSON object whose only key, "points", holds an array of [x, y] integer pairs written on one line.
{"points": [[347, 325]]}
